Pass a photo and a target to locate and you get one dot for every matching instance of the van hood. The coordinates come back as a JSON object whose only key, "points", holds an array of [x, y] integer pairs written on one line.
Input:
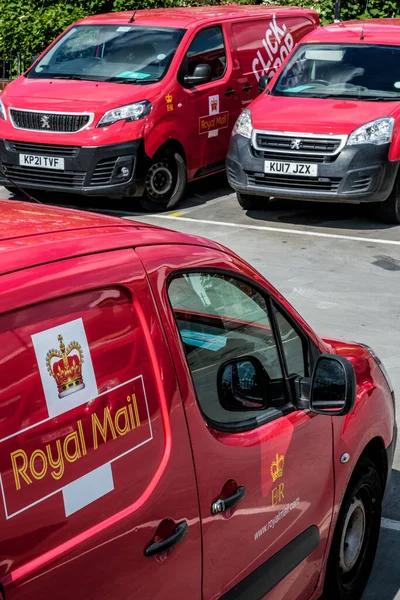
{"points": [[76, 96], [317, 115]]}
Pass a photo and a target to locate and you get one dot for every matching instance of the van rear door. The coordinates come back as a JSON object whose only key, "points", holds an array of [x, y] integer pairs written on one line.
{"points": [[96, 467], [262, 45]]}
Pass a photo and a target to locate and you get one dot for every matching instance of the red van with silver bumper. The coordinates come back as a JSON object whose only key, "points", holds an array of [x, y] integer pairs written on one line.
{"points": [[327, 127]]}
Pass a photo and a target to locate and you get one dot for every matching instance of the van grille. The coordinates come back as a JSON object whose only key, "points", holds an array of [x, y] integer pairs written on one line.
{"points": [[42, 149], [296, 144], [42, 121], [294, 183], [46, 177]]}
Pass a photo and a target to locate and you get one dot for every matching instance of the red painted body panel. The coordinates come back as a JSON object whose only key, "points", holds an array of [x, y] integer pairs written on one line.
{"points": [[41, 547], [113, 275]]}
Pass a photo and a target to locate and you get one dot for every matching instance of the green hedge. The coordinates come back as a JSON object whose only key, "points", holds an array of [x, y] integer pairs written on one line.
{"points": [[28, 26]]}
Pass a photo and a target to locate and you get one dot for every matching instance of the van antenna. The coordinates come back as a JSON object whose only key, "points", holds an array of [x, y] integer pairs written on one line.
{"points": [[362, 36], [133, 16]]}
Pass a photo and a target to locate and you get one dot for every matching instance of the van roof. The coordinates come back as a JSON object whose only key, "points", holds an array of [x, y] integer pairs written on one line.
{"points": [[376, 31], [33, 234], [191, 16]]}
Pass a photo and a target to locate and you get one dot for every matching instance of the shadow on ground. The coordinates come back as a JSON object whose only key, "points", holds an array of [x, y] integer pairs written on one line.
{"points": [[204, 191], [322, 214]]}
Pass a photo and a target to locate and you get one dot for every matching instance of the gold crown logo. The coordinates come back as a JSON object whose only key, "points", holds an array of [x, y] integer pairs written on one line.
{"points": [[65, 365], [168, 99], [214, 105], [277, 467]]}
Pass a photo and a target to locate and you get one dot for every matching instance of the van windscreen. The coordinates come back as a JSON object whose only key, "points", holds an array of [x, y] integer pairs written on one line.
{"points": [[342, 71], [113, 53]]}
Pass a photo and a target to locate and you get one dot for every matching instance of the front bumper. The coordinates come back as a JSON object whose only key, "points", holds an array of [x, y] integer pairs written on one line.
{"points": [[113, 170], [357, 174]]}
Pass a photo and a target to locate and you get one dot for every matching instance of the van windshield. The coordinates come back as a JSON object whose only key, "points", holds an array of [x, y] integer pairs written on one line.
{"points": [[115, 53], [362, 72]]}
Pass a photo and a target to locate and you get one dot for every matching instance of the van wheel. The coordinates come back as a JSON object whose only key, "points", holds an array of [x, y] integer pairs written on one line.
{"points": [[390, 209], [356, 535], [247, 201], [165, 182]]}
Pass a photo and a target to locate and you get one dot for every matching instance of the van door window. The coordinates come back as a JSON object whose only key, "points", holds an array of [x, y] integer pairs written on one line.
{"points": [[207, 48], [220, 320], [294, 346]]}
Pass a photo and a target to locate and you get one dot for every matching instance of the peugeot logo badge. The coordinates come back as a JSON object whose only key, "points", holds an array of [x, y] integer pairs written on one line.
{"points": [[295, 144], [45, 121]]}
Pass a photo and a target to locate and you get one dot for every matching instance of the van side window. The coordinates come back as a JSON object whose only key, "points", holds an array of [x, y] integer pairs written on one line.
{"points": [[222, 319], [207, 48], [293, 347]]}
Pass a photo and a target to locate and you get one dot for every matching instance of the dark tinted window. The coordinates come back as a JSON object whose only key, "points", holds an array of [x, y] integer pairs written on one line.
{"points": [[207, 48]]}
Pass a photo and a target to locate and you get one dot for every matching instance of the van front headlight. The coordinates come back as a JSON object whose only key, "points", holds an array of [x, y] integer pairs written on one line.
{"points": [[2, 111], [376, 132], [243, 125], [129, 112]]}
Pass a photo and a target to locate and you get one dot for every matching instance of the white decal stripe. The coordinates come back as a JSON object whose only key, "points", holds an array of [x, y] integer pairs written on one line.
{"points": [[87, 489]]}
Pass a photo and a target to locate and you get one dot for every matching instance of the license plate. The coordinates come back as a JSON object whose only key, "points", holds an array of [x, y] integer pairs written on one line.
{"points": [[289, 168], [43, 162]]}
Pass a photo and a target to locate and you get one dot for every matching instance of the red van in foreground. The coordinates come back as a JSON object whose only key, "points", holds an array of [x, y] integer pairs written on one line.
{"points": [[328, 127], [170, 426], [139, 103]]}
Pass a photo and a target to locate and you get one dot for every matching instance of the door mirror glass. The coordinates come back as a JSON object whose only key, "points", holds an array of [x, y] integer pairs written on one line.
{"points": [[263, 82], [241, 385], [201, 74], [333, 386]]}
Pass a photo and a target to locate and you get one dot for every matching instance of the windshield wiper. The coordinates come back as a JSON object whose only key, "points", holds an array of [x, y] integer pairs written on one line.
{"points": [[128, 80], [74, 77], [380, 98]]}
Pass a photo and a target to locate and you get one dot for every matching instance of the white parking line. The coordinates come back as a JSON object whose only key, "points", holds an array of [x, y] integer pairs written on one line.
{"points": [[390, 524], [318, 234]]}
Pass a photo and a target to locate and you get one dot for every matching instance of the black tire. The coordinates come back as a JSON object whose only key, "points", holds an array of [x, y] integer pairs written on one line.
{"points": [[165, 183], [247, 201], [389, 210], [351, 555]]}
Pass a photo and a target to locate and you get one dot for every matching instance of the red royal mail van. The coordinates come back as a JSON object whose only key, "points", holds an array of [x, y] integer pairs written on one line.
{"points": [[328, 127], [170, 426], [136, 104]]}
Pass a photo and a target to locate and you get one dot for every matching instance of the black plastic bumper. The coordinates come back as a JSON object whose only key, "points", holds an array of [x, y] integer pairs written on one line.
{"points": [[357, 174], [113, 170]]}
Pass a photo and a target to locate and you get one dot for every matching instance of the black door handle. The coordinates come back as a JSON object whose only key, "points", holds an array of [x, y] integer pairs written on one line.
{"points": [[179, 533], [229, 92], [223, 504], [247, 88]]}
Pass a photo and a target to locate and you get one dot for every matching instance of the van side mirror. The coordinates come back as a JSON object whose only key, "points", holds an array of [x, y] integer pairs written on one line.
{"points": [[242, 384], [201, 74], [333, 386], [263, 82]]}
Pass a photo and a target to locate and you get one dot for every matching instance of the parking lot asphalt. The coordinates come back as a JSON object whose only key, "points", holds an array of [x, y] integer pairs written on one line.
{"points": [[339, 267]]}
